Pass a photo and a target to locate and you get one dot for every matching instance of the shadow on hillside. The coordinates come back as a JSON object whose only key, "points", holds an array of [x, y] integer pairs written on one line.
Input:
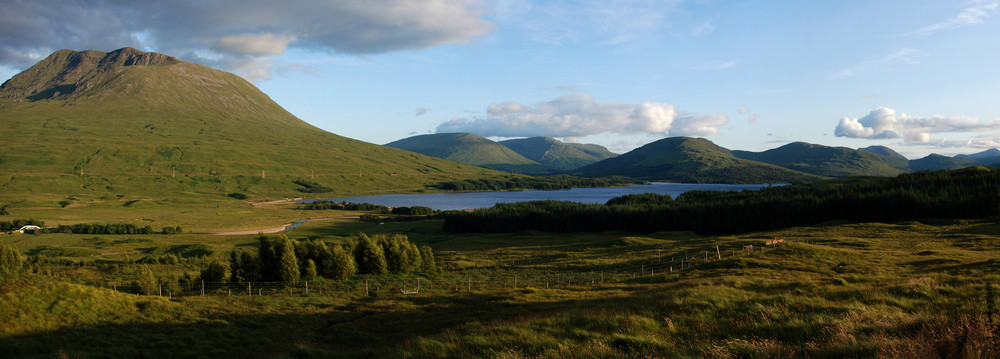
{"points": [[369, 327]]}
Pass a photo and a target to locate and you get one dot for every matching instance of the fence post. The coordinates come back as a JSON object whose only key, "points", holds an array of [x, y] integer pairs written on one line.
{"points": [[718, 252], [307, 287], [249, 293], [203, 288], [161, 289]]}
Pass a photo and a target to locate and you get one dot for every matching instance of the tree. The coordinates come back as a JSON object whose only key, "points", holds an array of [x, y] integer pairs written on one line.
{"points": [[244, 266], [369, 256], [10, 260], [268, 259], [147, 281], [215, 272], [342, 264], [396, 256], [427, 255], [310, 271], [287, 264]]}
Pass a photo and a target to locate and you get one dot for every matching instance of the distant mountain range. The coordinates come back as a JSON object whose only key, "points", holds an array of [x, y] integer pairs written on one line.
{"points": [[536, 155], [683, 159]]}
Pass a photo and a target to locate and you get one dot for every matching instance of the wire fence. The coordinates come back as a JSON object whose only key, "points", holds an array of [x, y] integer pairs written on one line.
{"points": [[500, 276]]}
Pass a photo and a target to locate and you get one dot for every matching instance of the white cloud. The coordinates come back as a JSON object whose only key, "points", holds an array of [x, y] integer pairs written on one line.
{"points": [[751, 117], [259, 45], [885, 62], [717, 65], [973, 15], [883, 123], [581, 115], [705, 28], [422, 111], [235, 28]]}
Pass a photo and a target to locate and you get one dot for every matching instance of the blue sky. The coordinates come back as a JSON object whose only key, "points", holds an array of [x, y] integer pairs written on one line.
{"points": [[917, 76]]}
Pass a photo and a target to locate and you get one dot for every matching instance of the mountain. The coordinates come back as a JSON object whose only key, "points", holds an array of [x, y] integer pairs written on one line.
{"points": [[94, 124], [557, 155], [889, 156], [989, 156], [469, 149], [684, 159], [938, 162], [824, 161], [597, 151]]}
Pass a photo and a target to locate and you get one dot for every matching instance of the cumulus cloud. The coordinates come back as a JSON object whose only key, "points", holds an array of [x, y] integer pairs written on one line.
{"points": [[883, 123], [972, 15], [580, 115], [235, 28]]}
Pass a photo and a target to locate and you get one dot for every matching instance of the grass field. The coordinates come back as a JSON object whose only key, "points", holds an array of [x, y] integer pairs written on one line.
{"points": [[907, 289]]}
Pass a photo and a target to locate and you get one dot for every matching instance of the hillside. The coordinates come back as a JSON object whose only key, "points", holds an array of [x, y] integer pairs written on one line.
{"points": [[91, 124], [889, 156], [937, 162], [557, 155], [684, 159], [824, 161], [469, 149]]}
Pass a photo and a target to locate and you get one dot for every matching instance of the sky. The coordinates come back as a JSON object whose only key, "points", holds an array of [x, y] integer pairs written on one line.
{"points": [[917, 76]]}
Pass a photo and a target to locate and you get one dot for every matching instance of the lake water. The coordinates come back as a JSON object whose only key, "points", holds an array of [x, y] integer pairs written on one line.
{"points": [[470, 200]]}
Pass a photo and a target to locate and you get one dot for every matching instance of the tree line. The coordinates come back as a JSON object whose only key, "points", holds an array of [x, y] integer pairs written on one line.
{"points": [[967, 193], [287, 260]]}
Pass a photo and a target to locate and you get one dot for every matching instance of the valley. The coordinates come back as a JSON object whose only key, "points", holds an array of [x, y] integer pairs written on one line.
{"points": [[166, 200]]}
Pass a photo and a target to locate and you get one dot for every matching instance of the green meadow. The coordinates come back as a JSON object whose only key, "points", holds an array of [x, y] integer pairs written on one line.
{"points": [[840, 289]]}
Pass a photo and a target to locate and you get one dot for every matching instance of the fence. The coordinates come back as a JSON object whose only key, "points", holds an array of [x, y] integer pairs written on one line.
{"points": [[497, 277]]}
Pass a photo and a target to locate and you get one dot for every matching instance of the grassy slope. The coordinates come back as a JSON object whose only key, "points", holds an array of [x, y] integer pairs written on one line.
{"points": [[857, 290], [824, 161], [683, 159], [180, 130], [553, 153]]}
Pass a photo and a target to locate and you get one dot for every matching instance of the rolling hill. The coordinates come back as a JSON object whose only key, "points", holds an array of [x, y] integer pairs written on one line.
{"points": [[469, 149], [889, 156], [940, 162], [90, 124], [684, 159], [824, 161], [557, 155]]}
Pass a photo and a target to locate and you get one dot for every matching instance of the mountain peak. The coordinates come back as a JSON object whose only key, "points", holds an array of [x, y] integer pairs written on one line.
{"points": [[66, 73]]}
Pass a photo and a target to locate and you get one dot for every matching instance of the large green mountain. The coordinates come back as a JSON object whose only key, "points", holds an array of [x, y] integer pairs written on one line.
{"points": [[684, 159], [93, 124], [824, 161], [557, 155], [469, 149]]}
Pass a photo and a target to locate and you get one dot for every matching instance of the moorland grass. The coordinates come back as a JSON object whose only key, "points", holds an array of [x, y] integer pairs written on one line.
{"points": [[905, 289]]}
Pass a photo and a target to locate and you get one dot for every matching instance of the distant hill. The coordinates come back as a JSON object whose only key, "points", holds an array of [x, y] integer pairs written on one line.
{"points": [[557, 155], [939, 162], [889, 156], [469, 149], [684, 159], [824, 161], [989, 156], [90, 124]]}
